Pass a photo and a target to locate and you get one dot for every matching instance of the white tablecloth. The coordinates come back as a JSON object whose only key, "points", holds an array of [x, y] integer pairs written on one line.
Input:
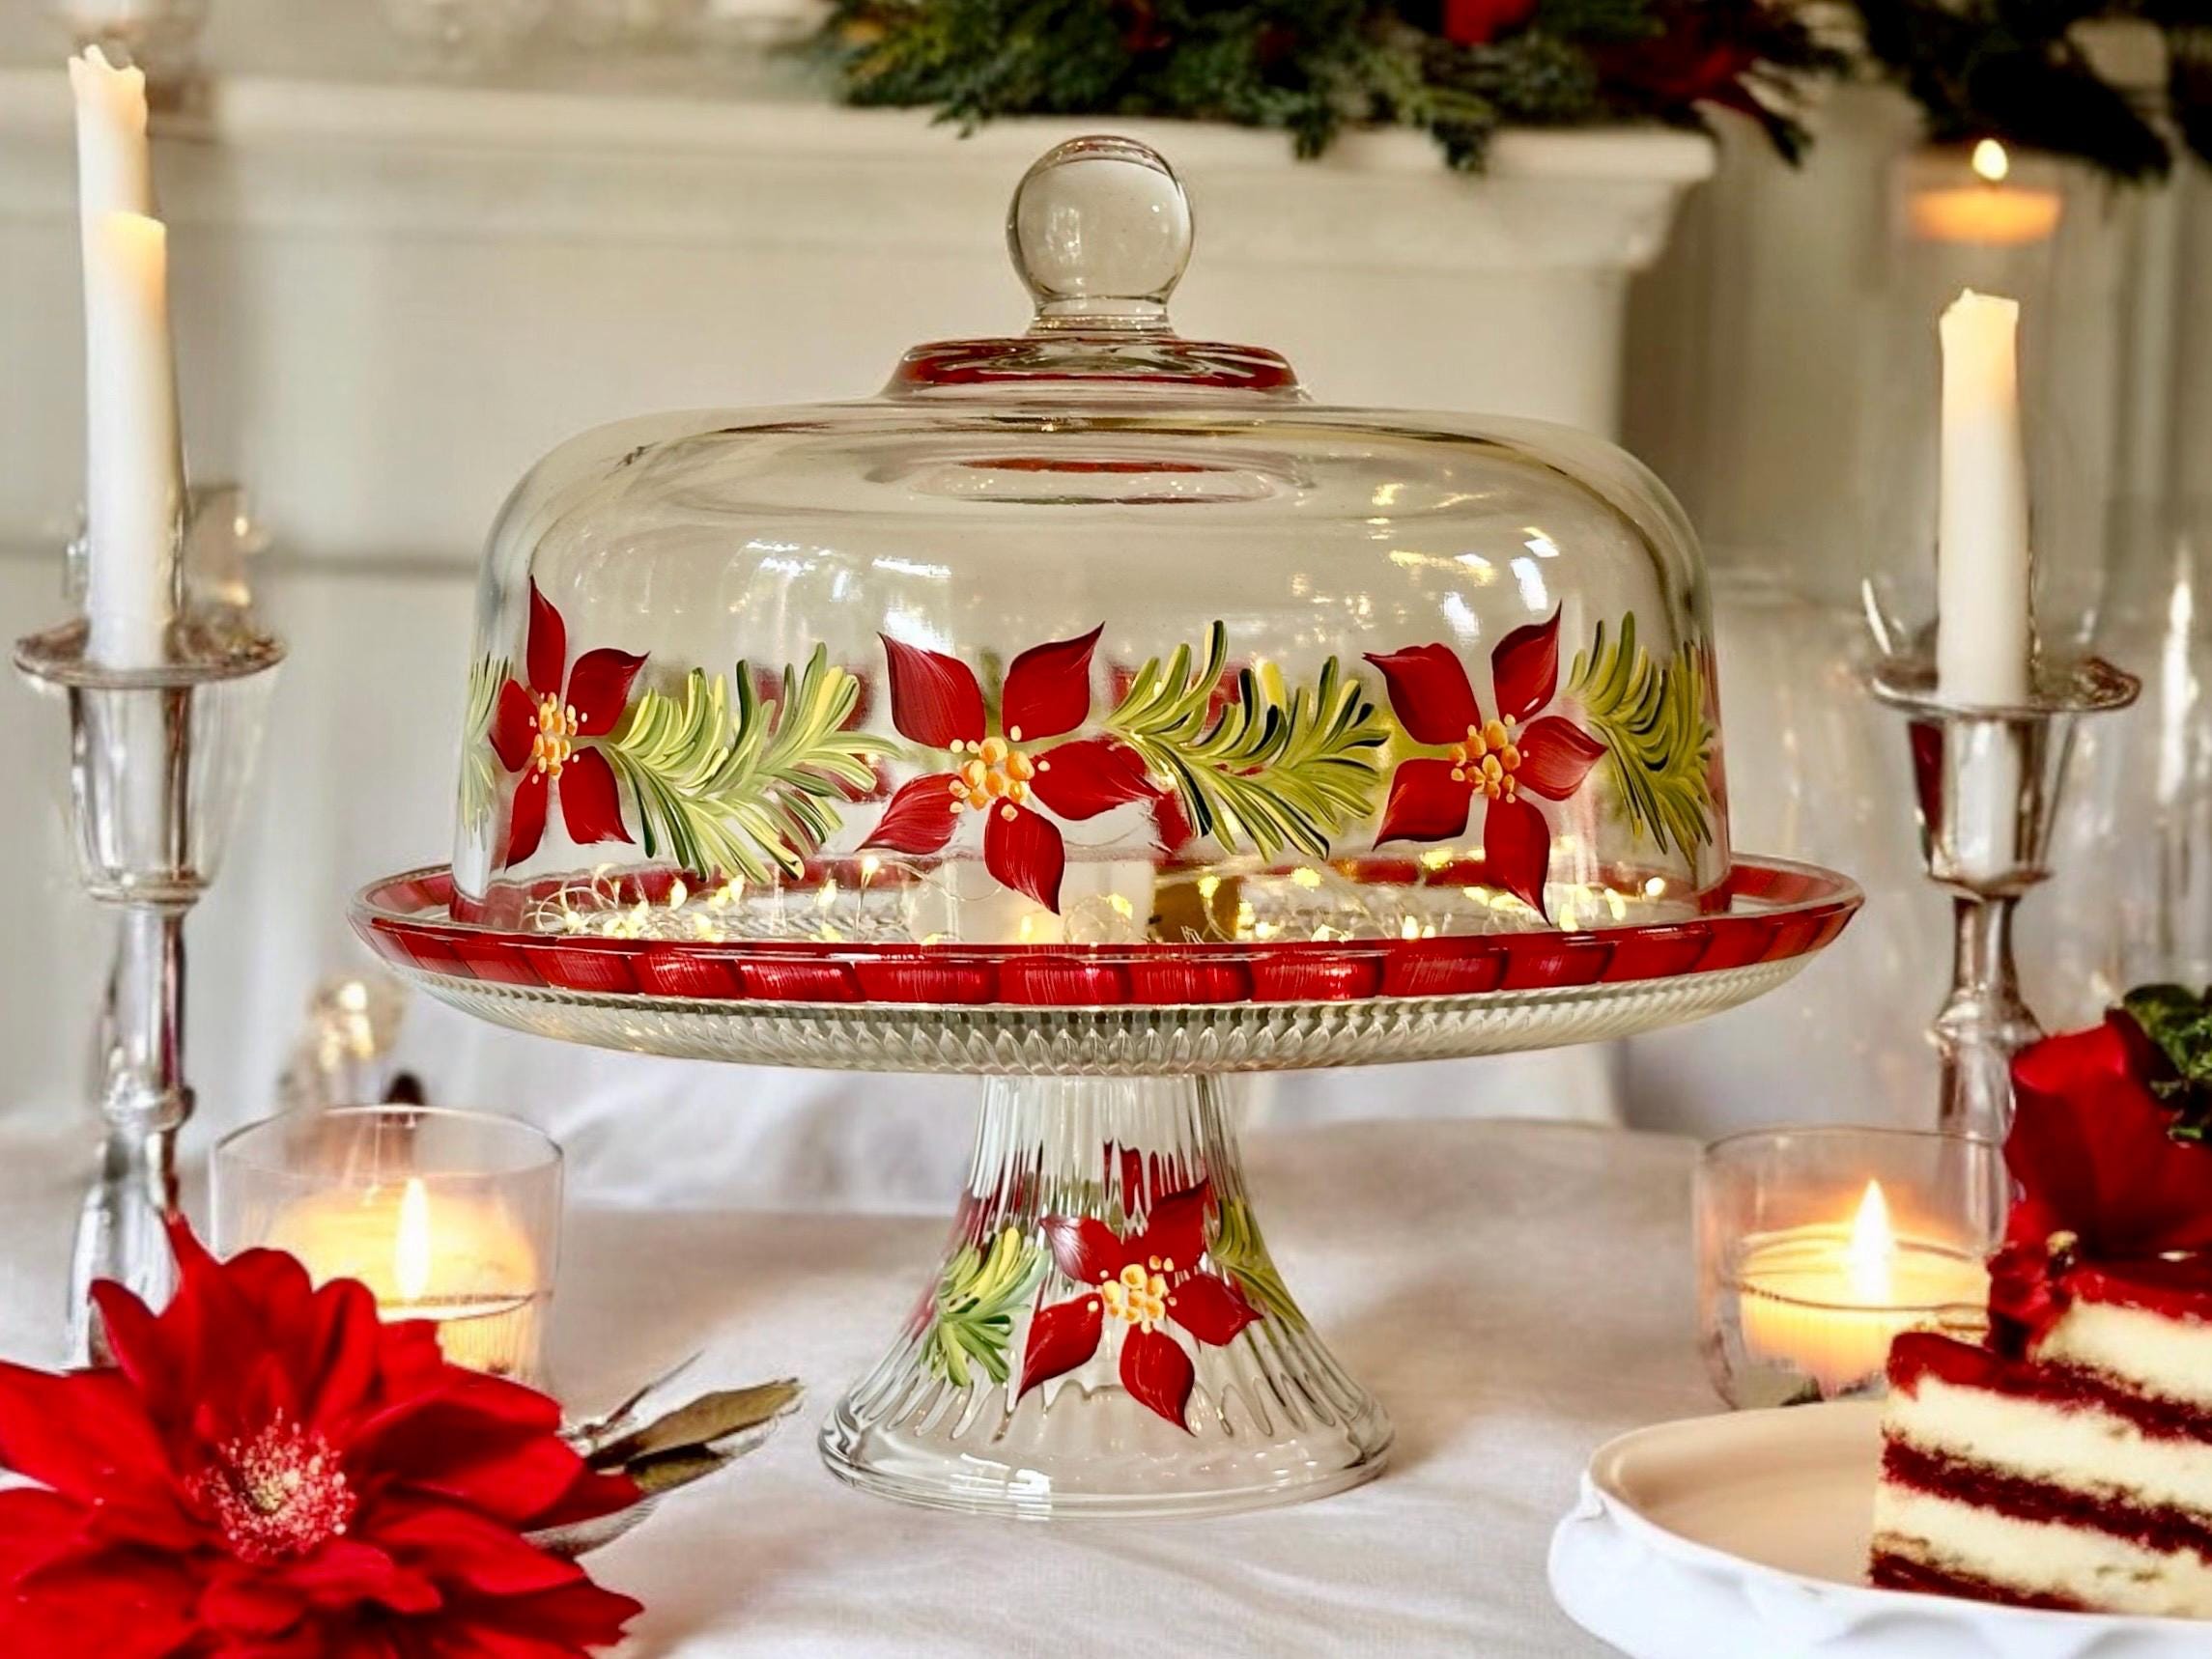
{"points": [[1514, 1293]]}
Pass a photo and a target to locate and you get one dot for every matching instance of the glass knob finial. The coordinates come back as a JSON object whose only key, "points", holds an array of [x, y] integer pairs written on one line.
{"points": [[1100, 231]]}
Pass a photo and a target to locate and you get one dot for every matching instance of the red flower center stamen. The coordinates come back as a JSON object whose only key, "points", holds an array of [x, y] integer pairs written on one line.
{"points": [[1488, 760], [556, 739], [999, 772], [277, 1494], [1139, 1296]]}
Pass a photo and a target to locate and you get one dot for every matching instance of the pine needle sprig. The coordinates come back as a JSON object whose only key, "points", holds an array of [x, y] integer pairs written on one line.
{"points": [[978, 1297], [744, 788], [1653, 719], [479, 763], [1271, 767]]}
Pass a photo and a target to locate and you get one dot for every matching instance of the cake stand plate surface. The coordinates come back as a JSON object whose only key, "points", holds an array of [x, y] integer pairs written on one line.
{"points": [[1744, 1536], [1106, 1010]]}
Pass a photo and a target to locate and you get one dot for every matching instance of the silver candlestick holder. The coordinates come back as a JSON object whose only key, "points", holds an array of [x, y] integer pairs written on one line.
{"points": [[1986, 783], [158, 759]]}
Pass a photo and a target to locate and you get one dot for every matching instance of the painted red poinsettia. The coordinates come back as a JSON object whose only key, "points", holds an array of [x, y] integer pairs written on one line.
{"points": [[936, 701], [536, 728], [1505, 758], [1477, 22], [268, 1472], [1142, 1283]]}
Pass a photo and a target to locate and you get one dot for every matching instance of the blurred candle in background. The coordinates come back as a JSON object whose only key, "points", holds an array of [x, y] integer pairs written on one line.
{"points": [[133, 470], [1982, 207], [1984, 620]]}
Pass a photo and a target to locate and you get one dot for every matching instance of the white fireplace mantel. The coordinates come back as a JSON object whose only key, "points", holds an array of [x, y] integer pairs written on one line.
{"points": [[392, 296]]}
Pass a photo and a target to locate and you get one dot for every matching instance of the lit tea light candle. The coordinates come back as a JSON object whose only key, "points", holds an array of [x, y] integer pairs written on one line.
{"points": [[1985, 209], [1826, 1301], [454, 1258]]}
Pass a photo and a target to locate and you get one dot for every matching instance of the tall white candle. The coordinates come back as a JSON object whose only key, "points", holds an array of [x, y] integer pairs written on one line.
{"points": [[134, 470], [114, 169], [1984, 620], [134, 483]]}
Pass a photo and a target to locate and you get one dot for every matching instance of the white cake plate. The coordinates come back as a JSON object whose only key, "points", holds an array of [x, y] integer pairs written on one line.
{"points": [[1744, 1536]]}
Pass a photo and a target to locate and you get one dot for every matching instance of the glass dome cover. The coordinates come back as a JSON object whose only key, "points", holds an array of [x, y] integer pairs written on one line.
{"points": [[1093, 635]]}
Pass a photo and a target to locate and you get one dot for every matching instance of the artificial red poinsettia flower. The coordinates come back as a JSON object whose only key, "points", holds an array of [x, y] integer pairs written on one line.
{"points": [[937, 702], [268, 1472], [1143, 1282], [1478, 23], [535, 728], [1503, 759]]}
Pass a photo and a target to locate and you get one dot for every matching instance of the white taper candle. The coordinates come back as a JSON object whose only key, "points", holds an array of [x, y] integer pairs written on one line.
{"points": [[133, 482], [1984, 617], [135, 485]]}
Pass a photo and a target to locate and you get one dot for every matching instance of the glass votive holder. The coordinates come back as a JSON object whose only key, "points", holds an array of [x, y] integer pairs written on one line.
{"points": [[453, 1217], [1816, 1247]]}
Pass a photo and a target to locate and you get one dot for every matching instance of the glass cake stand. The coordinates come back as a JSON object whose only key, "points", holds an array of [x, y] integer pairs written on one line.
{"points": [[1106, 1331]]}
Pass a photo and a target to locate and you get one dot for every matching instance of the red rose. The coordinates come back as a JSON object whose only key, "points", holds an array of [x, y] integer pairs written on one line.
{"points": [[270, 1472], [2091, 1150], [1478, 23]]}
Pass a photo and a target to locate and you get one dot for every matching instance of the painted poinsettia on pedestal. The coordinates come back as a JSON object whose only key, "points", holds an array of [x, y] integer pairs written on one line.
{"points": [[1138, 1283]]}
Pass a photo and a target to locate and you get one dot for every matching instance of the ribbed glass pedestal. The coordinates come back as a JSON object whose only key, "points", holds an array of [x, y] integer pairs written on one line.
{"points": [[1107, 1335]]}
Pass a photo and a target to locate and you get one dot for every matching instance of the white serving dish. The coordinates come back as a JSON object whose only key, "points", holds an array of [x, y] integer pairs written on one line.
{"points": [[1744, 1536]]}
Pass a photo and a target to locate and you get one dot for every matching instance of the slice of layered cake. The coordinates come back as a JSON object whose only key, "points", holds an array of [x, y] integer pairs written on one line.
{"points": [[2067, 1463]]}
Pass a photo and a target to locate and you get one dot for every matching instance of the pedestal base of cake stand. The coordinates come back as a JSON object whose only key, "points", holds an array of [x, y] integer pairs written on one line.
{"points": [[1107, 1335]]}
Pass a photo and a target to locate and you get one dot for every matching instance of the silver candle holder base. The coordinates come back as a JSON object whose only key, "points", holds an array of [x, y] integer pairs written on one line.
{"points": [[158, 759], [1986, 784]]}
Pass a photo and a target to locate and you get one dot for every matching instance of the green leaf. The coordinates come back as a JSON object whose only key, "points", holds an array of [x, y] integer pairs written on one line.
{"points": [[1659, 740], [701, 1424], [978, 1298], [479, 766], [743, 790], [2178, 1021], [1274, 767], [1238, 1251]]}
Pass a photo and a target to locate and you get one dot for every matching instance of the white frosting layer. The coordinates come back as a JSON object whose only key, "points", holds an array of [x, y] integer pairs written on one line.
{"points": [[2157, 1354], [2082, 1448], [2040, 1557]]}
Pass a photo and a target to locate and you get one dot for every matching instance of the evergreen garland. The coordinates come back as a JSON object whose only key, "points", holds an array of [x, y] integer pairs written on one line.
{"points": [[1463, 69]]}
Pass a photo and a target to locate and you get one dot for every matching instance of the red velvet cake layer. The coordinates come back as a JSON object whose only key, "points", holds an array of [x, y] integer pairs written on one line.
{"points": [[1922, 1354], [2176, 1289], [2026, 1500], [1896, 1572]]}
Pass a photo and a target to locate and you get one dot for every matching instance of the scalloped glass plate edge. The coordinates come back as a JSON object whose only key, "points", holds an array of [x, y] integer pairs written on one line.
{"points": [[1776, 912]]}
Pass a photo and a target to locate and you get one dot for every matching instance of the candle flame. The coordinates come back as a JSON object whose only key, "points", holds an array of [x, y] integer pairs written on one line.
{"points": [[410, 1250], [1873, 1247], [1990, 161]]}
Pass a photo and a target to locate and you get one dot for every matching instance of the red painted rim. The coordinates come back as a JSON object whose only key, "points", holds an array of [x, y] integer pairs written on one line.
{"points": [[1766, 910]]}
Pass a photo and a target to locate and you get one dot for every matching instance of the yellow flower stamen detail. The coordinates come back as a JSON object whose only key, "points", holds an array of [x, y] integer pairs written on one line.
{"points": [[1487, 760], [556, 738], [1138, 1297], [998, 776]]}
